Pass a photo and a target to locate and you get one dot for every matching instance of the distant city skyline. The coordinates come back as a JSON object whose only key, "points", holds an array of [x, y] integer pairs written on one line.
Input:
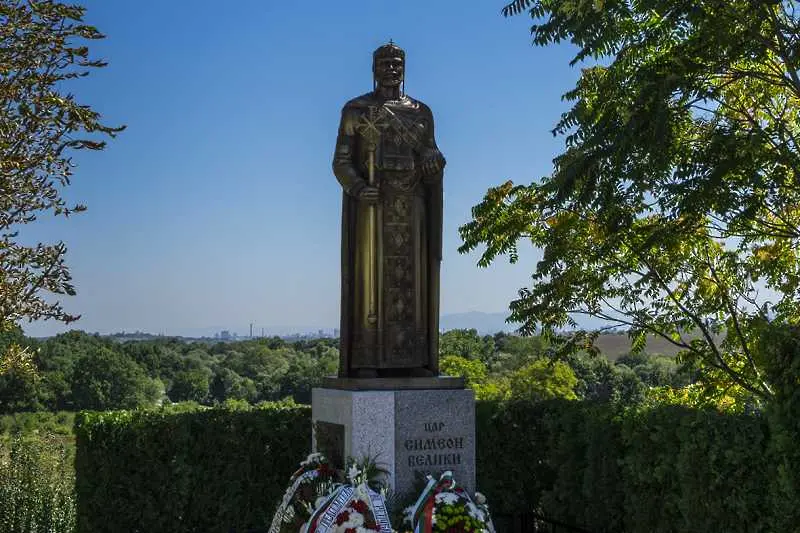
{"points": [[484, 323], [217, 206]]}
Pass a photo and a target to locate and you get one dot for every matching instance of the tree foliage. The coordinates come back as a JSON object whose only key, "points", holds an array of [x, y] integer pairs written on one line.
{"points": [[42, 53], [104, 379], [544, 380], [673, 209], [466, 343], [476, 376], [79, 371]]}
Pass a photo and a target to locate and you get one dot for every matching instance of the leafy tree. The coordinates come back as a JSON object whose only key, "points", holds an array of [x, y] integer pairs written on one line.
{"points": [[263, 366], [472, 370], [600, 380], [104, 379], [657, 370], [305, 371], [9, 336], [522, 347], [154, 357], [476, 376], [628, 387], [228, 385], [515, 351], [55, 390], [466, 343], [542, 380], [190, 385], [673, 209], [780, 351], [18, 375], [18, 389], [41, 48]]}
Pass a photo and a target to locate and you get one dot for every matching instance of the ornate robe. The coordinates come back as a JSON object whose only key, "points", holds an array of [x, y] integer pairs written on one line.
{"points": [[391, 251]]}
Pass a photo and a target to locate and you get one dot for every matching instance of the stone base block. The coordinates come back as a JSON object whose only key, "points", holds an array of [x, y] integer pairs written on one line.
{"points": [[407, 432], [393, 384]]}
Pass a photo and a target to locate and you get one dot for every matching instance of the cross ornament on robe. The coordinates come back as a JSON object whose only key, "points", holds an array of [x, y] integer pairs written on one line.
{"points": [[370, 126]]}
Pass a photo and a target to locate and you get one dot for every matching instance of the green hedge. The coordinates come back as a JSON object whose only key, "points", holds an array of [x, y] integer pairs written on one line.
{"points": [[647, 470], [210, 470]]}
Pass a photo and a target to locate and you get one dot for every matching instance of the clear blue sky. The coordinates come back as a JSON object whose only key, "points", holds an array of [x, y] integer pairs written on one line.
{"points": [[217, 206]]}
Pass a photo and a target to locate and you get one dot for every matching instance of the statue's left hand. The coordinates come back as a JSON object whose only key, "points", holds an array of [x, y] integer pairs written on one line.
{"points": [[433, 164]]}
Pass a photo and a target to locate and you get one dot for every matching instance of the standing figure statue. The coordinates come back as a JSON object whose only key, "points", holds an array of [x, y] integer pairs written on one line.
{"points": [[390, 170]]}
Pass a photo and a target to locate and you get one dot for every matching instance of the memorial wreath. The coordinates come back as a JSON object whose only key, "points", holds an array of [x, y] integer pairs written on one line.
{"points": [[322, 499], [353, 507], [445, 506], [310, 484]]}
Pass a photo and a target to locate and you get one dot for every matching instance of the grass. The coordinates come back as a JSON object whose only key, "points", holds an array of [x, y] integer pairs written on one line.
{"points": [[615, 345]]}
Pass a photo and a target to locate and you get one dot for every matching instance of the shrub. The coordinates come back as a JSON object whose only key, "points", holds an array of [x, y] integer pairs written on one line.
{"points": [[180, 470], [779, 349], [36, 485], [37, 422], [597, 465], [649, 469]]}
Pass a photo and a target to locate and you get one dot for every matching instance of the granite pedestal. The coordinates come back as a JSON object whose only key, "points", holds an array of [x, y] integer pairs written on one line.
{"points": [[407, 432]]}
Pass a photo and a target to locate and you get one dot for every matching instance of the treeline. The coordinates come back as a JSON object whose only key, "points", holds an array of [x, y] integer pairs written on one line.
{"points": [[502, 366], [76, 371]]}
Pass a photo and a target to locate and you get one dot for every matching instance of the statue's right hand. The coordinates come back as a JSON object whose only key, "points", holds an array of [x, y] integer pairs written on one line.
{"points": [[368, 194]]}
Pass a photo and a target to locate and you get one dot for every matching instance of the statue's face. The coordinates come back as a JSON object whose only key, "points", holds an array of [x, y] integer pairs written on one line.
{"points": [[389, 71]]}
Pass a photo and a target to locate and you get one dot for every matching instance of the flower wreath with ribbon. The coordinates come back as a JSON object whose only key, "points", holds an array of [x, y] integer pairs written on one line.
{"points": [[444, 506], [352, 507], [312, 482]]}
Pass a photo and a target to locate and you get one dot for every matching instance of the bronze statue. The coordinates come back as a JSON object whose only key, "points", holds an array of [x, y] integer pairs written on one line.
{"points": [[391, 170]]}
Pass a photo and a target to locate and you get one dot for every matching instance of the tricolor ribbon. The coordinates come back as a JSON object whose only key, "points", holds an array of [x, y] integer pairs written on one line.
{"points": [[422, 515], [423, 509]]}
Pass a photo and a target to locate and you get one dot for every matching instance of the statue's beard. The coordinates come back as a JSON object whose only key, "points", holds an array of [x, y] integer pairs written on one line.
{"points": [[389, 85]]}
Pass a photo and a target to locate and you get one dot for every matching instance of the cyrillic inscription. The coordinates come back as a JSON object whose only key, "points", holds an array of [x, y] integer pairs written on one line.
{"points": [[443, 451], [434, 444]]}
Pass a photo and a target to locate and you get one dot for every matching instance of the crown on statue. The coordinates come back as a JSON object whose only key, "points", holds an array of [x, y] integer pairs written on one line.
{"points": [[388, 50]]}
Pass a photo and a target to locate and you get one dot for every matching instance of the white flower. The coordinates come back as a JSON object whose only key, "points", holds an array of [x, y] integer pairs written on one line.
{"points": [[362, 493], [315, 457], [319, 501], [449, 498], [408, 514], [480, 499], [352, 473], [354, 520], [475, 513]]}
